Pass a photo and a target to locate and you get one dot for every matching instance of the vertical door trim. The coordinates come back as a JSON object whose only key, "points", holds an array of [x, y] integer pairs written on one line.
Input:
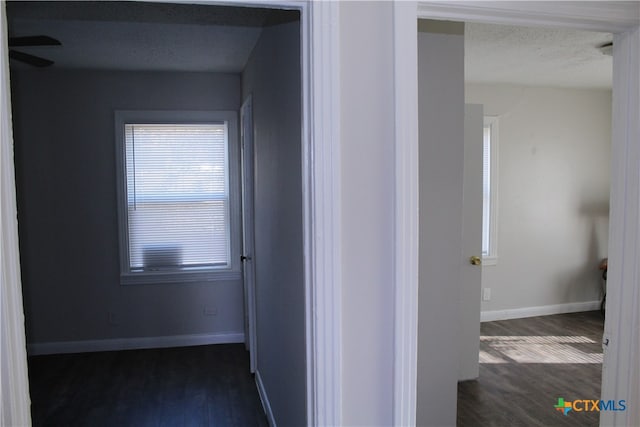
{"points": [[322, 211], [405, 263], [248, 231], [621, 366], [14, 391]]}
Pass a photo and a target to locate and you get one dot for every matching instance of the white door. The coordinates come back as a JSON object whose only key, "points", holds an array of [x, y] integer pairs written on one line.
{"points": [[248, 266], [471, 274]]}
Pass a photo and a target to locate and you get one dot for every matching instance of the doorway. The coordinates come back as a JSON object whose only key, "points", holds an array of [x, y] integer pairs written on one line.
{"points": [[165, 314], [507, 15], [541, 129]]}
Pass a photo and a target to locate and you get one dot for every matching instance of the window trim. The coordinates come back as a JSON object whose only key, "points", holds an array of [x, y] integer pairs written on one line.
{"points": [[230, 272], [492, 258]]}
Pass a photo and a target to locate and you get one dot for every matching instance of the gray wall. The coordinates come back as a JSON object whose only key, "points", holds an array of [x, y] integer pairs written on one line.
{"points": [[273, 77], [65, 167], [441, 159]]}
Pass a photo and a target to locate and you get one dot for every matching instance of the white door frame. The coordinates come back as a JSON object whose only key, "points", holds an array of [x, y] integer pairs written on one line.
{"points": [[321, 171], [621, 367], [405, 262], [14, 389]]}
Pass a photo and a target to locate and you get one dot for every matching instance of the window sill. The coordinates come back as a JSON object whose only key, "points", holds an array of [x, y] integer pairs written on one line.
{"points": [[489, 260], [172, 277]]}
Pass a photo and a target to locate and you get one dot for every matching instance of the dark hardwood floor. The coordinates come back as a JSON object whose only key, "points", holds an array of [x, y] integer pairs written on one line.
{"points": [[527, 364], [188, 386]]}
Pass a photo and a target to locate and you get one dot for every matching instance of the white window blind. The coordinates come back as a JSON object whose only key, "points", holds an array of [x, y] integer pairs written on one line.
{"points": [[486, 190], [177, 196]]}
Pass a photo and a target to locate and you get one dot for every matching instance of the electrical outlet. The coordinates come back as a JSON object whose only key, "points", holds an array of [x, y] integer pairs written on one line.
{"points": [[210, 310], [486, 294]]}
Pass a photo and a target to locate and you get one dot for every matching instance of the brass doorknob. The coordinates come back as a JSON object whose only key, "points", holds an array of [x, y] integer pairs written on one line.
{"points": [[475, 260]]}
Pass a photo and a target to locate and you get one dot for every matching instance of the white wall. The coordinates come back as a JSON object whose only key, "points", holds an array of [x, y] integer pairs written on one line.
{"points": [[367, 205], [441, 118], [273, 78], [66, 182], [553, 193]]}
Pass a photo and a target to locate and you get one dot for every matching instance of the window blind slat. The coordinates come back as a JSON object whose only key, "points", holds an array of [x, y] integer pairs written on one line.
{"points": [[486, 190]]}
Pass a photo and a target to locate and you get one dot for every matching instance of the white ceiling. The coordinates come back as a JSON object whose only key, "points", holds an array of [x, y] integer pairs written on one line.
{"points": [[142, 36], [536, 56]]}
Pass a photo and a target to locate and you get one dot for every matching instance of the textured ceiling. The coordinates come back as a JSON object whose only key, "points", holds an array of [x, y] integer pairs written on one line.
{"points": [[142, 36], [142, 46], [536, 56]]}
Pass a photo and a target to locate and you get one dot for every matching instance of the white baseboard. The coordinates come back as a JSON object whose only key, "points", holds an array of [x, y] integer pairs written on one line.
{"points": [[543, 310], [265, 400], [112, 344]]}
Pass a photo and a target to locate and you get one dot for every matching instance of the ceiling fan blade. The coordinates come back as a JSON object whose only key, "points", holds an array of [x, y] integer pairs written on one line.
{"points": [[33, 41], [36, 61]]}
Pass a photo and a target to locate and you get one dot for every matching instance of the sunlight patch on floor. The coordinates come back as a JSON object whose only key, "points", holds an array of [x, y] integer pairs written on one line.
{"points": [[537, 349]]}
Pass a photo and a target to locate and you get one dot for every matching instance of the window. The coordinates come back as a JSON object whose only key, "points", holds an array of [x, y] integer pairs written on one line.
{"points": [[490, 191], [177, 213]]}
